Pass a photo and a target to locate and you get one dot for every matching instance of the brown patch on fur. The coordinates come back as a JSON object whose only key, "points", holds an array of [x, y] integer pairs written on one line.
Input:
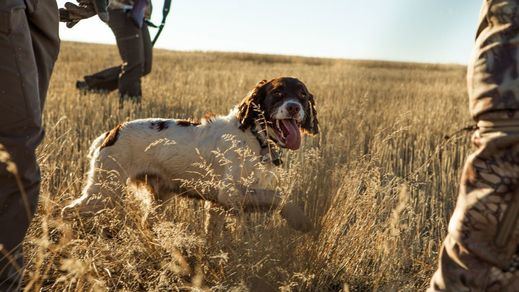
{"points": [[209, 117], [470, 175], [151, 182], [187, 123], [159, 125], [248, 108], [111, 137], [310, 125], [155, 184]]}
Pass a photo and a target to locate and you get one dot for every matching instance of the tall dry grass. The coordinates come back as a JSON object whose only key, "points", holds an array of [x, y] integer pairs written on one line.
{"points": [[379, 182]]}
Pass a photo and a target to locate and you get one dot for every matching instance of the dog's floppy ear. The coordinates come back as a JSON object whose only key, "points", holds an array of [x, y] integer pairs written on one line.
{"points": [[310, 124], [250, 105]]}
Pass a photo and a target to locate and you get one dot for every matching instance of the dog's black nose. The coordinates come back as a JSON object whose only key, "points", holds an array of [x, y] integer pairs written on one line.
{"points": [[293, 108]]}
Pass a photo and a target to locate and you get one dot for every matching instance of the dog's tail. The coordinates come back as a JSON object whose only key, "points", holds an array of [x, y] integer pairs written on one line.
{"points": [[95, 146]]}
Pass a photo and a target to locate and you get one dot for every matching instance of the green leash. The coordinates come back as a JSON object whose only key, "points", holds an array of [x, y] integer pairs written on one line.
{"points": [[165, 12]]}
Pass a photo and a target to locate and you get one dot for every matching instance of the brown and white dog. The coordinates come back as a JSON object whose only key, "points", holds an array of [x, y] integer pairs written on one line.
{"points": [[166, 153]]}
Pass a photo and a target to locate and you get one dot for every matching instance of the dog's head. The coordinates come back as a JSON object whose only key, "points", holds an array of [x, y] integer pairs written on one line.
{"points": [[287, 107]]}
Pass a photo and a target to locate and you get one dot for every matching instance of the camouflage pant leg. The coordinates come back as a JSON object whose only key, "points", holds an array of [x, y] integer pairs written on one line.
{"points": [[479, 253]]}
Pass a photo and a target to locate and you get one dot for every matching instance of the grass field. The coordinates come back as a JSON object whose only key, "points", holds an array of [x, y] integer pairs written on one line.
{"points": [[379, 182]]}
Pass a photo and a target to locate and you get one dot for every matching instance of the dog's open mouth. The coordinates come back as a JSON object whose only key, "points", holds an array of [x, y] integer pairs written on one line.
{"points": [[286, 133]]}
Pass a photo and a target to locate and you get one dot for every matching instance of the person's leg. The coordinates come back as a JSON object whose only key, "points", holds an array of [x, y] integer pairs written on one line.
{"points": [[44, 27], [126, 36], [105, 80], [28, 48], [148, 50], [130, 44], [480, 252]]}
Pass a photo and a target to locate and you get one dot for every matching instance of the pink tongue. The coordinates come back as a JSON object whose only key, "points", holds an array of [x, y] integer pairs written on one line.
{"points": [[293, 138]]}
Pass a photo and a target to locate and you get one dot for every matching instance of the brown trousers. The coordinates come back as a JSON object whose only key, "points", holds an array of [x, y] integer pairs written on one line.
{"points": [[480, 252], [29, 46], [136, 52]]}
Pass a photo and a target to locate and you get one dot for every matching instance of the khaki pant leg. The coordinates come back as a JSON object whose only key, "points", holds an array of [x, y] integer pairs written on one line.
{"points": [[148, 49], [135, 48], [43, 23], [105, 80], [479, 253], [28, 49], [131, 48]]}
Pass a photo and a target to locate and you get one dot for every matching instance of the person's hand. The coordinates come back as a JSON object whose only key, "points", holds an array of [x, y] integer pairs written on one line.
{"points": [[73, 13]]}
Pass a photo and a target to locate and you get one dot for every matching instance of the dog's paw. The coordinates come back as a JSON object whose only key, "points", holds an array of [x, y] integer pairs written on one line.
{"points": [[296, 218], [68, 212], [77, 209]]}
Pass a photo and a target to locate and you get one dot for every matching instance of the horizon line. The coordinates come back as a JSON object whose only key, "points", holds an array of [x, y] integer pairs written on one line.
{"points": [[407, 61]]}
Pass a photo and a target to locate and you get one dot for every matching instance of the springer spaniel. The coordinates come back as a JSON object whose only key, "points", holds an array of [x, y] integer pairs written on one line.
{"points": [[163, 155]]}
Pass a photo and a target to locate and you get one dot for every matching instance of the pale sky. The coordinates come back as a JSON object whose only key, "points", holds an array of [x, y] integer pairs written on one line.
{"points": [[437, 31]]}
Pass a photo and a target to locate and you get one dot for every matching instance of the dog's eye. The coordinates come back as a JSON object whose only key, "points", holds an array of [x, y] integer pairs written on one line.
{"points": [[278, 94]]}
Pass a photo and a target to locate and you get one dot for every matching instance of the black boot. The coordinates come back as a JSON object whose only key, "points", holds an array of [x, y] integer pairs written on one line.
{"points": [[82, 85]]}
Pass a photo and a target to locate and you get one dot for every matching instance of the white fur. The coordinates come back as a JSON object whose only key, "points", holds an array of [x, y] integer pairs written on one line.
{"points": [[282, 111]]}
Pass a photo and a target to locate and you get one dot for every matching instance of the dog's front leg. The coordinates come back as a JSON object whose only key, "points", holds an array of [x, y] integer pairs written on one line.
{"points": [[104, 186]]}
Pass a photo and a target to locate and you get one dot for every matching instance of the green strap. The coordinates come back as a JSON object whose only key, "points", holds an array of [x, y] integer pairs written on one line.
{"points": [[165, 12]]}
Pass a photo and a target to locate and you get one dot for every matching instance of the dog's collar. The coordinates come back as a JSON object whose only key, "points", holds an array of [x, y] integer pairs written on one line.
{"points": [[270, 151]]}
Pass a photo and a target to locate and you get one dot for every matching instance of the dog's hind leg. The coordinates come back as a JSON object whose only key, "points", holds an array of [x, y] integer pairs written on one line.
{"points": [[105, 185], [145, 189], [214, 222]]}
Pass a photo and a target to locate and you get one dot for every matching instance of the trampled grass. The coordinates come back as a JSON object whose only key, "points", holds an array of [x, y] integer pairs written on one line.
{"points": [[379, 182]]}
